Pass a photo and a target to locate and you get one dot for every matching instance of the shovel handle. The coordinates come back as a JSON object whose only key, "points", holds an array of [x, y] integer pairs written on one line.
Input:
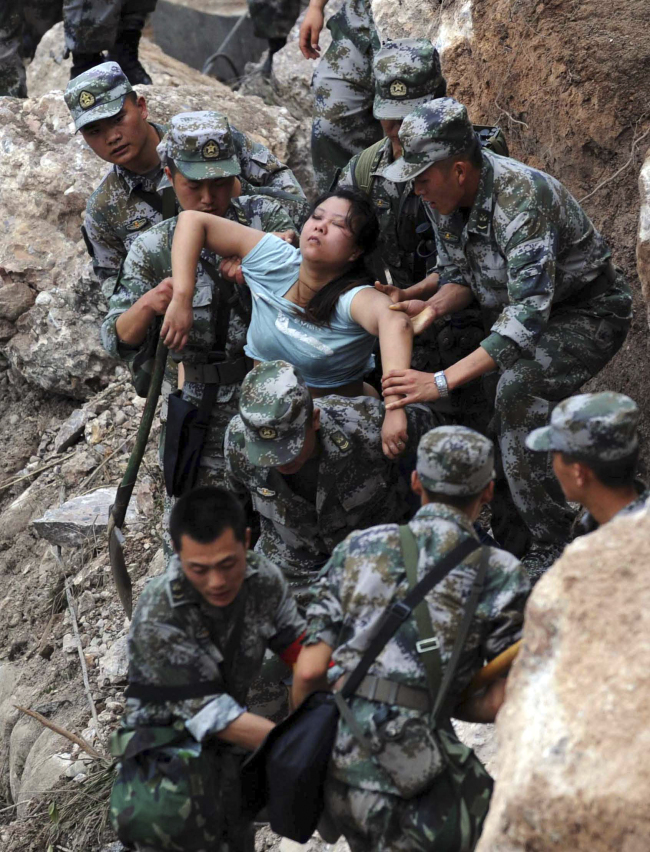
{"points": [[492, 671], [123, 496]]}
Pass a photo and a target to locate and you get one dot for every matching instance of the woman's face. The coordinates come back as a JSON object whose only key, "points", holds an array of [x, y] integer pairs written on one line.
{"points": [[326, 237]]}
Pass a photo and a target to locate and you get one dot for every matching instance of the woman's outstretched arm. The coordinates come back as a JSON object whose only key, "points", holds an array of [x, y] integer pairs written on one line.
{"points": [[194, 232], [370, 309]]}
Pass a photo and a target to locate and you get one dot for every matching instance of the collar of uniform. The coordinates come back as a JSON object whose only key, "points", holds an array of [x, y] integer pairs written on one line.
{"points": [[449, 513], [133, 180], [386, 158], [182, 592], [480, 217]]}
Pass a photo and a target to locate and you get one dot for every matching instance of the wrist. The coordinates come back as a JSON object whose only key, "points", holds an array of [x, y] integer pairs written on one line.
{"points": [[182, 298], [441, 383]]}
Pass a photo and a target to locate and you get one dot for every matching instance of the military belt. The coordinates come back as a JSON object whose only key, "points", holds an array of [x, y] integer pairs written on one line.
{"points": [[222, 373], [390, 692]]}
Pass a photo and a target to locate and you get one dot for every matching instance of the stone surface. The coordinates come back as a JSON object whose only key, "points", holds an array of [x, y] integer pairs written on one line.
{"points": [[643, 234], [43, 768], [114, 665], [18, 514], [574, 735], [81, 519], [71, 430], [15, 299], [46, 175]]}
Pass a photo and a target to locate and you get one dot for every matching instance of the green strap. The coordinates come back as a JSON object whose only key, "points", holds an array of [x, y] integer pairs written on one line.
{"points": [[431, 656], [168, 202], [366, 165]]}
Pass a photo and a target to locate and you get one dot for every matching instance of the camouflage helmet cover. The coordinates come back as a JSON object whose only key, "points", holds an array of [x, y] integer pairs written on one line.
{"points": [[97, 93], [455, 460], [200, 145], [407, 74]]}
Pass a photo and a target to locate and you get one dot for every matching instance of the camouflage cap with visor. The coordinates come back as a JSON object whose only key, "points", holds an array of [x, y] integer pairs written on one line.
{"points": [[599, 426], [275, 407], [97, 93], [201, 146], [407, 74], [455, 460], [435, 131]]}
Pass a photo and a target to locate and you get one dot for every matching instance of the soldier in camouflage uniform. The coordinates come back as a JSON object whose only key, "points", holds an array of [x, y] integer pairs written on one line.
{"points": [[595, 448], [210, 618], [273, 20], [135, 195], [343, 123], [366, 574], [12, 70], [199, 150], [554, 307], [314, 473]]}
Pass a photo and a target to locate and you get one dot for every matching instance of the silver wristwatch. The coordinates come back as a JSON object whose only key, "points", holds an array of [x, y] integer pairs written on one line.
{"points": [[441, 383]]}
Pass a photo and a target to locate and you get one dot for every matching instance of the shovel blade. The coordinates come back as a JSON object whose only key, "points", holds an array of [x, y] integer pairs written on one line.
{"points": [[121, 577]]}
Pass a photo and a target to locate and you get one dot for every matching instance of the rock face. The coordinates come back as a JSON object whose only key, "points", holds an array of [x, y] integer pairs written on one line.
{"points": [[50, 306], [573, 731], [77, 521], [643, 235]]}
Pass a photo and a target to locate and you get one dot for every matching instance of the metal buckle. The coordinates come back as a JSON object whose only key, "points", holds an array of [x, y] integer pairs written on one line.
{"points": [[425, 645], [401, 610]]}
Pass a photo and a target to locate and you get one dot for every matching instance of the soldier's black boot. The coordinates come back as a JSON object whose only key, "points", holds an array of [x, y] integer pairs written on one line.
{"points": [[84, 61], [275, 44], [125, 53]]}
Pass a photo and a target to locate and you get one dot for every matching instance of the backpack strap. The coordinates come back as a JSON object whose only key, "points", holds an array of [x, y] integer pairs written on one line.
{"points": [[362, 172]]}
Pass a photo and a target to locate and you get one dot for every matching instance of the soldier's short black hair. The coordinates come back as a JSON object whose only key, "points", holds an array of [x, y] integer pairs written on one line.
{"points": [[616, 474], [204, 514]]}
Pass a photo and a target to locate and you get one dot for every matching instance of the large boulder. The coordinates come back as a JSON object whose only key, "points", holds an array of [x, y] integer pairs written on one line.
{"points": [[50, 306], [573, 769]]}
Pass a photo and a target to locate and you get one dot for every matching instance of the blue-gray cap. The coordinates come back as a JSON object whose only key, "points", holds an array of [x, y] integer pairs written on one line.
{"points": [[599, 426], [455, 460], [97, 93]]}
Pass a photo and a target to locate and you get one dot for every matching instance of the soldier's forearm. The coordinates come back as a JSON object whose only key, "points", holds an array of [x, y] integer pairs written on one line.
{"points": [[484, 707], [132, 326], [310, 672], [476, 364], [247, 731], [318, 4]]}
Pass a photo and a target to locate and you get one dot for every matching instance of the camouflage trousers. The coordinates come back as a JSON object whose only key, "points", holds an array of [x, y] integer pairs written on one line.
{"points": [[12, 70], [273, 18], [575, 346], [343, 123], [447, 818], [94, 25]]}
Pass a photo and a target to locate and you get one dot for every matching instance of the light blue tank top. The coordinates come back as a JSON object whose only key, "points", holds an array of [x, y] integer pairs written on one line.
{"points": [[325, 356]]}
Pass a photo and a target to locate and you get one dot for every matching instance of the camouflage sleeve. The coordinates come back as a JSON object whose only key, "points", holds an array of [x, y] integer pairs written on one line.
{"points": [[346, 179], [162, 654], [289, 623], [275, 218], [260, 167], [233, 451], [502, 603], [142, 271], [104, 247], [530, 250], [325, 613]]}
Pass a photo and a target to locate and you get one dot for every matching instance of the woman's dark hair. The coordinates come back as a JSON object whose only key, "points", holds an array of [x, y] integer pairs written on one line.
{"points": [[364, 225]]}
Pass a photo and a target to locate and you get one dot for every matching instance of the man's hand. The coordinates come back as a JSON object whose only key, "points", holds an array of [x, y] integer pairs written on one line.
{"points": [[158, 299], [413, 385], [448, 300], [395, 294], [394, 433], [290, 237], [310, 32], [177, 323], [230, 269]]}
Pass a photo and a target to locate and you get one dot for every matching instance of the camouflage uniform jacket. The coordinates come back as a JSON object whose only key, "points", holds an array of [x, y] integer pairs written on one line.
{"points": [[116, 215], [365, 574], [397, 238], [357, 485], [176, 636], [150, 260], [526, 247]]}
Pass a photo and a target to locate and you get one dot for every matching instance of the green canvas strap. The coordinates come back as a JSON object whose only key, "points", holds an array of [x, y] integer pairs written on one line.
{"points": [[428, 644], [365, 166]]}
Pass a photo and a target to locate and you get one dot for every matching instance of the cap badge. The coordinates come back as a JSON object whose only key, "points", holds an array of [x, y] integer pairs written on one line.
{"points": [[210, 150], [266, 492], [398, 89], [267, 433], [137, 224], [86, 100]]}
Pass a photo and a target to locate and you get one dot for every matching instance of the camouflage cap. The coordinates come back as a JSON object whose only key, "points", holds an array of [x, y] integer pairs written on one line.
{"points": [[601, 426], [97, 93], [407, 75], [275, 406], [455, 460], [201, 146], [432, 132]]}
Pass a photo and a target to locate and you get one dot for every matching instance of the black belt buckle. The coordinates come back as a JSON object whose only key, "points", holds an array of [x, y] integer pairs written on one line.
{"points": [[400, 610], [215, 357]]}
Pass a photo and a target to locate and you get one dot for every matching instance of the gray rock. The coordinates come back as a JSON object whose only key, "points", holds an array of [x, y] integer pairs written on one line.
{"points": [[80, 519], [71, 430], [69, 645], [114, 665], [15, 299], [43, 769]]}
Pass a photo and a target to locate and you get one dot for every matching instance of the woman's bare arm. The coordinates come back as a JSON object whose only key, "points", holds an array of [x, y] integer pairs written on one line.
{"points": [[370, 309], [194, 232]]}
